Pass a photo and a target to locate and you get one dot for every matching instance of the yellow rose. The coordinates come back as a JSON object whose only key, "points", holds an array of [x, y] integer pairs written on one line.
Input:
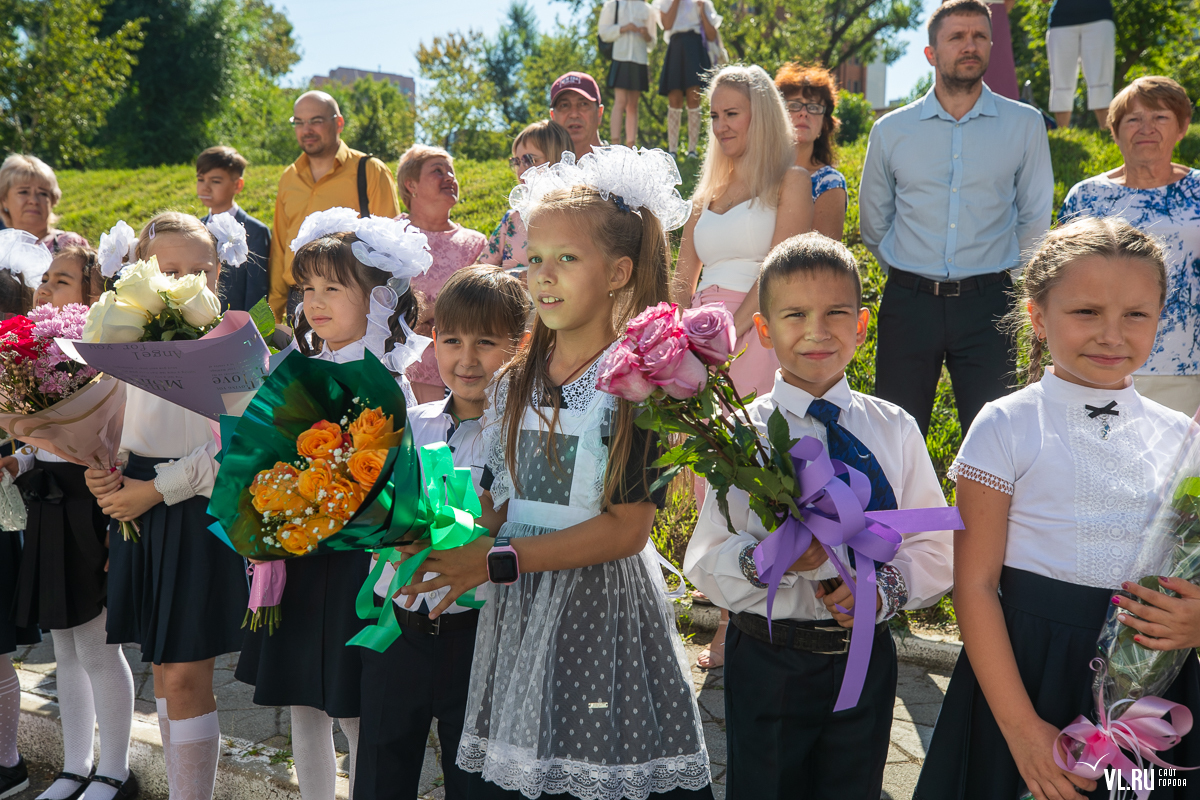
{"points": [[314, 479], [365, 466], [370, 425], [191, 297], [275, 491], [342, 499], [320, 440], [294, 539], [140, 284], [317, 527], [112, 320]]}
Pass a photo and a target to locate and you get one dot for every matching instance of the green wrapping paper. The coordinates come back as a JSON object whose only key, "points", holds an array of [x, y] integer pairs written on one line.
{"points": [[418, 495]]}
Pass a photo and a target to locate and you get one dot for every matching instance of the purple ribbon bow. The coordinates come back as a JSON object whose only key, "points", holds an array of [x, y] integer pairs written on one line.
{"points": [[834, 513]]}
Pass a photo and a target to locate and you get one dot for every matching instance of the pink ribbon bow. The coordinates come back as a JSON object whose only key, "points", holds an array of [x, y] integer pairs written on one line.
{"points": [[833, 512]]}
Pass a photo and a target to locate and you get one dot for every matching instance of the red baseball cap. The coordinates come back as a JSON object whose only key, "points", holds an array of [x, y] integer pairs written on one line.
{"points": [[576, 82]]}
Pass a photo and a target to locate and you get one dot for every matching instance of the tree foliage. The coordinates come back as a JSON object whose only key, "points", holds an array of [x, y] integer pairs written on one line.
{"points": [[58, 77], [460, 98], [379, 118], [515, 43]]}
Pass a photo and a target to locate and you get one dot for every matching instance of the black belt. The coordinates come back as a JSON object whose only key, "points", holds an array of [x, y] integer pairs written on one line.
{"points": [[445, 623], [945, 288], [825, 637]]}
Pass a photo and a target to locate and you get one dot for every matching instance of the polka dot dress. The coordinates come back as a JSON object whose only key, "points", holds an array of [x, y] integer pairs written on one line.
{"points": [[579, 684]]}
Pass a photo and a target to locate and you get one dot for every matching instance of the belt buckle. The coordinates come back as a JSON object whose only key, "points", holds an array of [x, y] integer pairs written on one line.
{"points": [[437, 626], [940, 290], [845, 643]]}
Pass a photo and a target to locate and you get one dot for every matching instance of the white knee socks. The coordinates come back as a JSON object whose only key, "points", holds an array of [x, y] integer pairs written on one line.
{"points": [[10, 712], [313, 753], [112, 693], [164, 730], [693, 129], [195, 749], [76, 712], [674, 119]]}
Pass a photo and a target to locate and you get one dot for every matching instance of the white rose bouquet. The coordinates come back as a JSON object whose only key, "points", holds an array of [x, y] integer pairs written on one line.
{"points": [[147, 306]]}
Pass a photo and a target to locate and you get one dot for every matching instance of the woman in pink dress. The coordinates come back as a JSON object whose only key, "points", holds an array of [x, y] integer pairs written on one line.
{"points": [[429, 190], [1001, 75], [28, 194]]}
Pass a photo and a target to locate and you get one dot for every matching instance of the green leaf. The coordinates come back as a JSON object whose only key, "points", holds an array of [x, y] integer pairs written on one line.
{"points": [[778, 432], [263, 318]]}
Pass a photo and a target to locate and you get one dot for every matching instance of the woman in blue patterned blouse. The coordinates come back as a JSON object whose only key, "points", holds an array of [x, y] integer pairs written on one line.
{"points": [[811, 96], [1149, 117]]}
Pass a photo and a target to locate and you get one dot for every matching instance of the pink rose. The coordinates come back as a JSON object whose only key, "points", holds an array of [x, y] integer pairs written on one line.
{"points": [[710, 332], [621, 375], [671, 365], [653, 325]]}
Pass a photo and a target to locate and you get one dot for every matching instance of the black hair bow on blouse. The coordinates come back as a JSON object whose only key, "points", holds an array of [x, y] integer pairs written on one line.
{"points": [[1110, 410]]}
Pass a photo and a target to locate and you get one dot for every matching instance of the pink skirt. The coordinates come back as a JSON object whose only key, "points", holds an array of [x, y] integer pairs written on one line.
{"points": [[753, 370]]}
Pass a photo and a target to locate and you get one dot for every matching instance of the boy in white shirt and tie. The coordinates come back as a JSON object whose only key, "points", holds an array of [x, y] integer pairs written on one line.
{"points": [[784, 738]]}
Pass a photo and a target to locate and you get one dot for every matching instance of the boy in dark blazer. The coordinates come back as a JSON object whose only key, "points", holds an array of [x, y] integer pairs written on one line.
{"points": [[219, 172]]}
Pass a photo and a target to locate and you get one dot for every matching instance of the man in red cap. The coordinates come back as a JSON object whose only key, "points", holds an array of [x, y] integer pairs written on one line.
{"points": [[575, 104]]}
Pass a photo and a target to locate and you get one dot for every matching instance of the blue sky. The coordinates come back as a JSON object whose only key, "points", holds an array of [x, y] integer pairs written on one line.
{"points": [[382, 34]]}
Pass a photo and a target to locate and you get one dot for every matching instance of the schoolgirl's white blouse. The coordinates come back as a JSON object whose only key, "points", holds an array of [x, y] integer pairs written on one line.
{"points": [[688, 16], [629, 46], [354, 352], [1083, 483], [157, 428]]}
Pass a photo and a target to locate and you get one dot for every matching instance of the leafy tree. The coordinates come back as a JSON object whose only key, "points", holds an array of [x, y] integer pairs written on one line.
{"points": [[503, 58], [379, 118], [461, 98], [58, 78], [269, 43]]}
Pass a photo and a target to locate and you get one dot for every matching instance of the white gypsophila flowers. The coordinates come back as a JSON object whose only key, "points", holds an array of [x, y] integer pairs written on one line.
{"points": [[117, 245], [232, 247], [24, 256], [642, 179], [323, 223]]}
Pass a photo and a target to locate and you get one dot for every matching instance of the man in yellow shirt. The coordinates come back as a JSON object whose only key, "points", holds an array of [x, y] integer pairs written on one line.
{"points": [[324, 176]]}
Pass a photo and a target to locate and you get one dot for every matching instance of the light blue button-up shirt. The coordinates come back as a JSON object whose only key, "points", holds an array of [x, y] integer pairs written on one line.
{"points": [[949, 198]]}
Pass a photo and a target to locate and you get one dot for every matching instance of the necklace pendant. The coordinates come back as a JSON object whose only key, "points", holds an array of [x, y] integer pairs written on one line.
{"points": [[1105, 429]]}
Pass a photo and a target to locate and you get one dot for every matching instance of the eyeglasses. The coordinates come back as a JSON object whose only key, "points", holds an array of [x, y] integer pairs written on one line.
{"points": [[795, 107], [315, 122], [528, 159]]}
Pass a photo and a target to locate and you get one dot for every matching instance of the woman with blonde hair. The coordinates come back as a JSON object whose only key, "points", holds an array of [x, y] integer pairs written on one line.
{"points": [[542, 142], [28, 194], [751, 197]]}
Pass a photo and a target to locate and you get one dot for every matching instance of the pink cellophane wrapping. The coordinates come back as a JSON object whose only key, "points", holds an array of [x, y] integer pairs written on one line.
{"points": [[85, 428]]}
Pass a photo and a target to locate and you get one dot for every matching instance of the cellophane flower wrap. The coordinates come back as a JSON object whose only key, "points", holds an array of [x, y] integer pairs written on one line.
{"points": [[322, 460], [675, 366], [1130, 679], [51, 401]]}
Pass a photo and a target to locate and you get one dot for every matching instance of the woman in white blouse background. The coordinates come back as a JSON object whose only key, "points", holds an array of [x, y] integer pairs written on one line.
{"points": [[632, 27]]}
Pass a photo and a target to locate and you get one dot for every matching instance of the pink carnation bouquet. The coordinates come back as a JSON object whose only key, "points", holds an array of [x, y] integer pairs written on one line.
{"points": [[51, 401]]}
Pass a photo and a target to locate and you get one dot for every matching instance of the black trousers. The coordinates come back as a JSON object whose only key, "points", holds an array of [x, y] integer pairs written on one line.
{"points": [[918, 332], [419, 678], [785, 741]]}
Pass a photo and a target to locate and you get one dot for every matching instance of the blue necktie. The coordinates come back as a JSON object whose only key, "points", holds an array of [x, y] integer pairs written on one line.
{"points": [[844, 446]]}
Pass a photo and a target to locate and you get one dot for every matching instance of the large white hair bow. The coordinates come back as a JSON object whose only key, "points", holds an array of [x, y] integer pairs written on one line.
{"points": [[116, 246], [232, 247], [24, 256]]}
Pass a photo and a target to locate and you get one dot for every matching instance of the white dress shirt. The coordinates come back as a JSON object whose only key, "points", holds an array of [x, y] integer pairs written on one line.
{"points": [[1082, 486], [924, 561], [629, 46], [354, 352], [687, 16], [432, 423]]}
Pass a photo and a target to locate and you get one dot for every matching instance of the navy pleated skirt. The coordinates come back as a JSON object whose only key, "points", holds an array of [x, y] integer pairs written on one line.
{"points": [[685, 63], [1053, 626], [306, 661], [179, 591], [62, 582]]}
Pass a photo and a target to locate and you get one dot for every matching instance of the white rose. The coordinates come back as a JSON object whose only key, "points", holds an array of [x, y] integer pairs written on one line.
{"points": [[113, 320], [140, 284], [191, 297]]}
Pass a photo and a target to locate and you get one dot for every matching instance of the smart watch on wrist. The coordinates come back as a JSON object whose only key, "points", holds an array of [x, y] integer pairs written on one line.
{"points": [[502, 562]]}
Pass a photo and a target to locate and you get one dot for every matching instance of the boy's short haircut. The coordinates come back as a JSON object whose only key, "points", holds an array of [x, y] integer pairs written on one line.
{"points": [[221, 157], [804, 253], [482, 299]]}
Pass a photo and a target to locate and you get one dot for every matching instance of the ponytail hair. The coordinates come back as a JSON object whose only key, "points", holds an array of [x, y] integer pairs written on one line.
{"points": [[1086, 237], [618, 233], [331, 258]]}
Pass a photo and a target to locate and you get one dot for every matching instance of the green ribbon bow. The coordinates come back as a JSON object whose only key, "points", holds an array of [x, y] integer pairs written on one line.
{"points": [[448, 509]]}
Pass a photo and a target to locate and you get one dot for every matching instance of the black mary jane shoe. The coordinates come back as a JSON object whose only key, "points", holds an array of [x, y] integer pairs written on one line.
{"points": [[125, 791], [14, 779], [82, 780]]}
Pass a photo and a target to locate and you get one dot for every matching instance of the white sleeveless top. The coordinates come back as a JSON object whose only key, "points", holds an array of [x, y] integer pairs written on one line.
{"points": [[733, 245]]}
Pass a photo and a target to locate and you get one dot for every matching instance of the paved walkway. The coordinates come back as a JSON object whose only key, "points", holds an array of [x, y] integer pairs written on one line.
{"points": [[265, 732]]}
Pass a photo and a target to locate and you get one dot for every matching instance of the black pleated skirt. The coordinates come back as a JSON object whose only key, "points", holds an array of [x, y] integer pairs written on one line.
{"points": [[629, 75], [306, 661], [1053, 626], [11, 636], [685, 64], [62, 582], [179, 591]]}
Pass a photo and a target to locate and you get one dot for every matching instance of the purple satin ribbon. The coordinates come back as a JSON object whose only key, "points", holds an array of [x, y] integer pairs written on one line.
{"points": [[266, 584], [835, 514]]}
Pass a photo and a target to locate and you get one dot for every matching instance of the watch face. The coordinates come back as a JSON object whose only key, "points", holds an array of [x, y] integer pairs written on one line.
{"points": [[502, 567]]}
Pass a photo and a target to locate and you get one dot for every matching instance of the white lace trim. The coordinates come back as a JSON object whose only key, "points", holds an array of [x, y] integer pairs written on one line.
{"points": [[519, 769], [960, 469], [173, 483]]}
